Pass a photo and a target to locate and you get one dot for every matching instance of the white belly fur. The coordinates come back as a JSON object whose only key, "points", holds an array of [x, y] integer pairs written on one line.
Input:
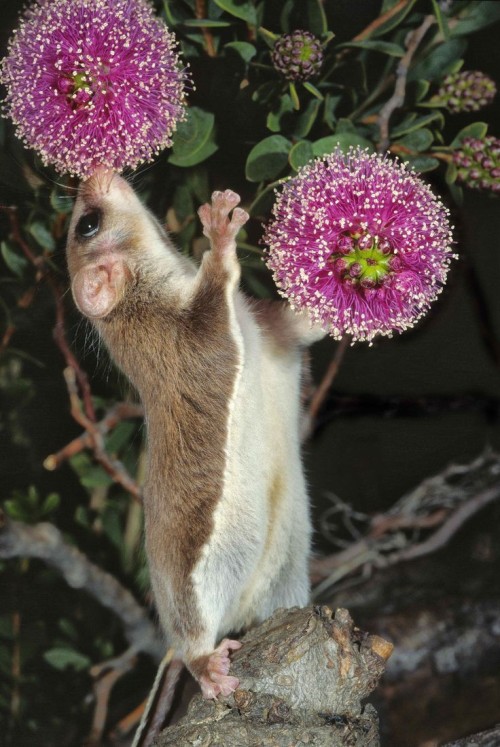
{"points": [[257, 555]]}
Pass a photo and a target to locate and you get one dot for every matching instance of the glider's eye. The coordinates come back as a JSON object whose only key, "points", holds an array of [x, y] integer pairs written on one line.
{"points": [[88, 225]]}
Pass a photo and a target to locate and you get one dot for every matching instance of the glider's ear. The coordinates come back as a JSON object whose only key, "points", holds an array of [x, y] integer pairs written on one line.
{"points": [[98, 287]]}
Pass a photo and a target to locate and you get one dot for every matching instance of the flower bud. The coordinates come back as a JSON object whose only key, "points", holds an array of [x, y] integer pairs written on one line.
{"points": [[298, 56], [478, 163], [467, 91]]}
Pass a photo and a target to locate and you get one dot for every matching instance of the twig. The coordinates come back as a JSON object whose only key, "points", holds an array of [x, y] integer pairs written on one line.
{"points": [[120, 411], [323, 388], [374, 25], [44, 272], [449, 528], [398, 97], [201, 12], [367, 31], [113, 467], [105, 677], [435, 501], [59, 335], [127, 723], [45, 542], [16, 671], [384, 523], [36, 260]]}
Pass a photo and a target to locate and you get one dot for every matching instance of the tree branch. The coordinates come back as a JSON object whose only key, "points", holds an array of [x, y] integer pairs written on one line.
{"points": [[303, 675], [45, 542], [374, 25], [120, 411], [45, 272], [113, 467], [446, 500], [325, 384], [398, 97]]}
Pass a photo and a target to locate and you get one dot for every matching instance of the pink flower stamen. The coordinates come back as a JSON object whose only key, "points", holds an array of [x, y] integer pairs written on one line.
{"points": [[106, 84], [360, 243]]}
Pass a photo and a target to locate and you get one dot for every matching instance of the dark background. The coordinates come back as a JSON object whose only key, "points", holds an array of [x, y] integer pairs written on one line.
{"points": [[399, 411]]}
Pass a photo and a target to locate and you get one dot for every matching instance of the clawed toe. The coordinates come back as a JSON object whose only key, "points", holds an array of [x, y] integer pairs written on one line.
{"points": [[217, 226], [214, 677], [225, 201]]}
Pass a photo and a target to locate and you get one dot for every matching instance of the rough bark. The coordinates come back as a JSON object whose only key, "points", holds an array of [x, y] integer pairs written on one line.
{"points": [[303, 674], [443, 680], [455, 636], [490, 738]]}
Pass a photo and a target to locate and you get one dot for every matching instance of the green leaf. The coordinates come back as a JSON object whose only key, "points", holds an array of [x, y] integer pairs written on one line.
{"points": [[294, 95], [43, 236], [50, 504], [198, 182], [175, 13], [394, 21], [423, 163], [341, 140], [194, 139], [82, 516], [376, 45], [421, 89], [112, 525], [61, 658], [31, 497], [120, 436], [205, 23], [68, 628], [267, 159], [269, 37], [451, 173], [14, 261], [387, 5], [245, 50], [457, 193], [15, 510], [441, 19], [285, 106], [300, 154], [331, 103], [400, 129], [183, 204], [411, 124], [60, 202], [417, 141], [306, 119], [263, 202], [243, 9], [317, 23], [437, 62], [476, 130], [480, 14], [312, 89], [96, 477], [286, 24], [345, 125]]}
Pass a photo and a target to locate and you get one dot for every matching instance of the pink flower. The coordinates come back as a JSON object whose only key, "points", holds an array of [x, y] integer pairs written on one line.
{"points": [[360, 243], [93, 82]]}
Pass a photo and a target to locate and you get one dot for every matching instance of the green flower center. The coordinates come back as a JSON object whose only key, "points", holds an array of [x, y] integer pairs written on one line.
{"points": [[77, 87], [306, 52], [363, 259]]}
